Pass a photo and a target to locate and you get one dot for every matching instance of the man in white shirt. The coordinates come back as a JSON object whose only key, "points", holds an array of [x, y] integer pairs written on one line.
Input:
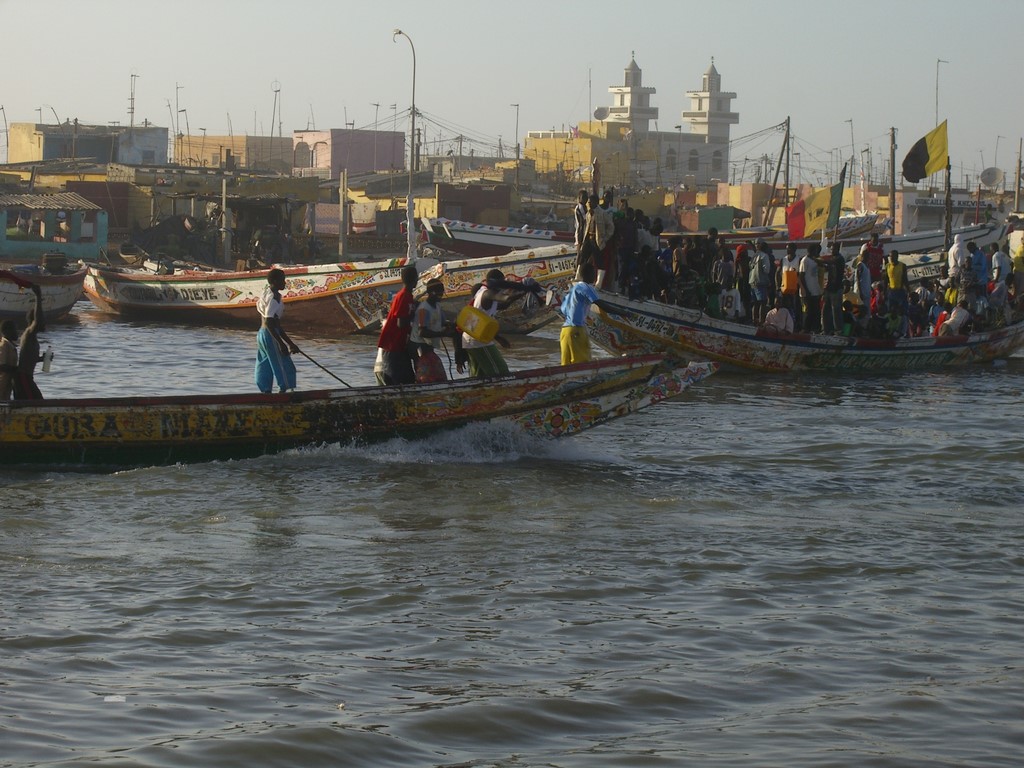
{"points": [[810, 289], [778, 320], [1002, 266]]}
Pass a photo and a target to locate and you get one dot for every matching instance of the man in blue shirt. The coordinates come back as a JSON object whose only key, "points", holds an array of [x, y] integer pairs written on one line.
{"points": [[573, 339]]}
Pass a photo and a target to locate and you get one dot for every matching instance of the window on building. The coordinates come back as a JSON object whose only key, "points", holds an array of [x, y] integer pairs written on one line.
{"points": [[716, 160], [670, 159], [694, 160]]}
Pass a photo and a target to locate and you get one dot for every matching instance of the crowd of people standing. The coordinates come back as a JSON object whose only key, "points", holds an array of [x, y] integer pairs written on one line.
{"points": [[872, 295]]}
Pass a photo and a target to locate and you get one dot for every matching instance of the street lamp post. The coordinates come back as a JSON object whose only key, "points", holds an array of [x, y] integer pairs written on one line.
{"points": [[188, 135], [410, 203]]}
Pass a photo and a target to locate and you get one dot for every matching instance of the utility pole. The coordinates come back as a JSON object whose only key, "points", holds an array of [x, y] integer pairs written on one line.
{"points": [[131, 107], [376, 111]]}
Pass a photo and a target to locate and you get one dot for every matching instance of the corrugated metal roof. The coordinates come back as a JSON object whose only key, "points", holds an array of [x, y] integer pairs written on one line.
{"points": [[58, 201]]}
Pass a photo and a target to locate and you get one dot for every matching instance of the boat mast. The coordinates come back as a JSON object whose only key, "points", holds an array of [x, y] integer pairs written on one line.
{"points": [[770, 209], [892, 179], [1016, 187]]}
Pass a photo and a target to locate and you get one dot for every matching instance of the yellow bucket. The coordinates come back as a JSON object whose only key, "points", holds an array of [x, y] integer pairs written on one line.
{"points": [[477, 324]]}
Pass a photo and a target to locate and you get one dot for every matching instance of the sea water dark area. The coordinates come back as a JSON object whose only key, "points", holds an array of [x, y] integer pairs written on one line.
{"points": [[803, 570]]}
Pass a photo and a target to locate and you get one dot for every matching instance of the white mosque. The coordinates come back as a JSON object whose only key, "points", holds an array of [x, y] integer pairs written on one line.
{"points": [[694, 154]]}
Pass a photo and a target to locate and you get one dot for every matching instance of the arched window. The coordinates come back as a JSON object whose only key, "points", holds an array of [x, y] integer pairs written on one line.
{"points": [[716, 160], [694, 160], [670, 159]]}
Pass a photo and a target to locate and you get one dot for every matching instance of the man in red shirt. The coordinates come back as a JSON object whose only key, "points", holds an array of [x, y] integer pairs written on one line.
{"points": [[394, 333], [874, 256]]}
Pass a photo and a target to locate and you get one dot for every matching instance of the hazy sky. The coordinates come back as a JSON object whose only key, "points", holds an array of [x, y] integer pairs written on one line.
{"points": [[824, 64]]}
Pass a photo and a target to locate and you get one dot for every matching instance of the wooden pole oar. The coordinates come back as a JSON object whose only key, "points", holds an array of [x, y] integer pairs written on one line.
{"points": [[322, 368]]}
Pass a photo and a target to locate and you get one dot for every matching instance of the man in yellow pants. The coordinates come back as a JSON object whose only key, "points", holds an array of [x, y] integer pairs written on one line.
{"points": [[573, 339]]}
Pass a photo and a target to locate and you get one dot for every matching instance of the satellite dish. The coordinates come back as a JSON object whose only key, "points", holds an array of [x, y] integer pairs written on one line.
{"points": [[601, 113], [991, 177]]}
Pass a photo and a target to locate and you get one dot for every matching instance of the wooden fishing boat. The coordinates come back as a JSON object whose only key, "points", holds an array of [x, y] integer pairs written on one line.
{"points": [[323, 299], [59, 291], [478, 240], [142, 431], [927, 247], [650, 327], [551, 268]]}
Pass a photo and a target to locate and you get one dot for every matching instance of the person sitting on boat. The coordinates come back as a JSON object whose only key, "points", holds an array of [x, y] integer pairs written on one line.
{"points": [[945, 308], [779, 319], [917, 318], [8, 358], [937, 314], [896, 324], [394, 333], [484, 358], [428, 330], [573, 339], [957, 321], [850, 326], [25, 387], [273, 347]]}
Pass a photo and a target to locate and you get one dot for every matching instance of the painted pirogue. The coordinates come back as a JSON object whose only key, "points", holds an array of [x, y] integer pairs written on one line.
{"points": [[144, 431]]}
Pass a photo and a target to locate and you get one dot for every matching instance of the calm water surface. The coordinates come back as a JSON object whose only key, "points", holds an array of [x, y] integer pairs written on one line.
{"points": [[766, 571]]}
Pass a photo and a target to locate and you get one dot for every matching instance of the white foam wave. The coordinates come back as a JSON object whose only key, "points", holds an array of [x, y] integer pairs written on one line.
{"points": [[478, 443]]}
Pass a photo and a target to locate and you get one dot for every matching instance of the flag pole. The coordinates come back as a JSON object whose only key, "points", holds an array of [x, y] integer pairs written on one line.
{"points": [[949, 205]]}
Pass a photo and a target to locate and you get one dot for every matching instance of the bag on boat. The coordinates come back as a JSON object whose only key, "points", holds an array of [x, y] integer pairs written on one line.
{"points": [[429, 368]]}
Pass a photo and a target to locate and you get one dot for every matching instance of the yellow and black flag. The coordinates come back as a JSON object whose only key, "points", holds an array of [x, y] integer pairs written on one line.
{"points": [[929, 155]]}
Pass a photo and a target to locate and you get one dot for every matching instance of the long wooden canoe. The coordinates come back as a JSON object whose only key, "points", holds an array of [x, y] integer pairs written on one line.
{"points": [[650, 327], [324, 299], [144, 431]]}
